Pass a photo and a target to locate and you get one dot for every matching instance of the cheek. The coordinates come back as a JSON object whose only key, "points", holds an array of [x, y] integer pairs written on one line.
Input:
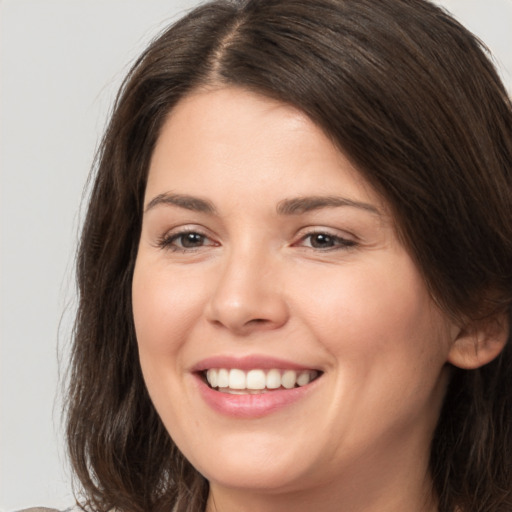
{"points": [[388, 346], [379, 317], [166, 304]]}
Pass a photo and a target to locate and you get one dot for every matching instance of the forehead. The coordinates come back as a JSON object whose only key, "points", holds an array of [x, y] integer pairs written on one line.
{"points": [[230, 141]]}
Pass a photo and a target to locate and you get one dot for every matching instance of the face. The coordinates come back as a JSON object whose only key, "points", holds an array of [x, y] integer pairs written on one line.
{"points": [[286, 337]]}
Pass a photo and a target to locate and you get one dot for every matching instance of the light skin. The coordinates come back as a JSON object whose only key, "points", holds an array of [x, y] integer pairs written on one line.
{"points": [[260, 238]]}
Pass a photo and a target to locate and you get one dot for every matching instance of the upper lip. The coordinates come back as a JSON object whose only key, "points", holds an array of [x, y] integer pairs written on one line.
{"points": [[251, 362]]}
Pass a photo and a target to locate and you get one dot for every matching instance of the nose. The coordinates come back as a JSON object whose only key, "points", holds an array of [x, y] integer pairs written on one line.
{"points": [[248, 296]]}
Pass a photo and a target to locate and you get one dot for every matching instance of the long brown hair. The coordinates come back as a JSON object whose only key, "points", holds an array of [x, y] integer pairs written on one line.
{"points": [[412, 98]]}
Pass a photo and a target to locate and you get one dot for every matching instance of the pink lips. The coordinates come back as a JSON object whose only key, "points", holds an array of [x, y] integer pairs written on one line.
{"points": [[249, 406], [246, 363]]}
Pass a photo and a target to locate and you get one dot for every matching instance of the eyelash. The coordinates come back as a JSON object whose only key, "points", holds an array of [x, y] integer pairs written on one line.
{"points": [[168, 242], [339, 242]]}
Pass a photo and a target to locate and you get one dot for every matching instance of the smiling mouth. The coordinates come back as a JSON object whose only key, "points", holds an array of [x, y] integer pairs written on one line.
{"points": [[236, 381]]}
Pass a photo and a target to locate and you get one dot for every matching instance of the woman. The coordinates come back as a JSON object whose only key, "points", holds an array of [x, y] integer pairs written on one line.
{"points": [[295, 272]]}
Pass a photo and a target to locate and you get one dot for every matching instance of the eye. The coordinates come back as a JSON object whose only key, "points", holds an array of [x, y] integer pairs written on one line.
{"points": [[325, 241], [185, 241], [189, 240]]}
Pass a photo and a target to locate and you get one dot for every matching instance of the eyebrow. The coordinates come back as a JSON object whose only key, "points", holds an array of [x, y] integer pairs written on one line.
{"points": [[300, 205], [292, 206], [183, 201]]}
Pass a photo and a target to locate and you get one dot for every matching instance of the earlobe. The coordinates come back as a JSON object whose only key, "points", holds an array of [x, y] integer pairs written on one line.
{"points": [[479, 343]]}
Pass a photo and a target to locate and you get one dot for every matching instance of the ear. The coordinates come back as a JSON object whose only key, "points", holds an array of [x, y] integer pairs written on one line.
{"points": [[479, 342]]}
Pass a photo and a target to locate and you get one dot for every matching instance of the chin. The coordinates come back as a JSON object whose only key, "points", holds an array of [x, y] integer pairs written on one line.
{"points": [[258, 479], [255, 468]]}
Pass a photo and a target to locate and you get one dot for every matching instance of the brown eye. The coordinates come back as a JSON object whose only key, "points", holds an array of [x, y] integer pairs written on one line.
{"points": [[190, 240], [326, 241], [322, 241], [186, 241]]}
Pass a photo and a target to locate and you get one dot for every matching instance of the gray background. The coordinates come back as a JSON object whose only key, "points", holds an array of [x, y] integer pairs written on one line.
{"points": [[61, 62]]}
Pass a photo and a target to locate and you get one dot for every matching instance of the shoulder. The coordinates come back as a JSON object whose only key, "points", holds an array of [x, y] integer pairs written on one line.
{"points": [[45, 509], [39, 509]]}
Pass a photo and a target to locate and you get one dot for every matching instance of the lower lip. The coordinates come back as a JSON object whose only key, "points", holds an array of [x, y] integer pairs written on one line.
{"points": [[255, 405]]}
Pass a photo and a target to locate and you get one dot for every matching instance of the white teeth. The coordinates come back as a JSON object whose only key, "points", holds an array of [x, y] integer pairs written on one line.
{"points": [[239, 381], [288, 379], [222, 378], [212, 376], [273, 379], [303, 378], [255, 379]]}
